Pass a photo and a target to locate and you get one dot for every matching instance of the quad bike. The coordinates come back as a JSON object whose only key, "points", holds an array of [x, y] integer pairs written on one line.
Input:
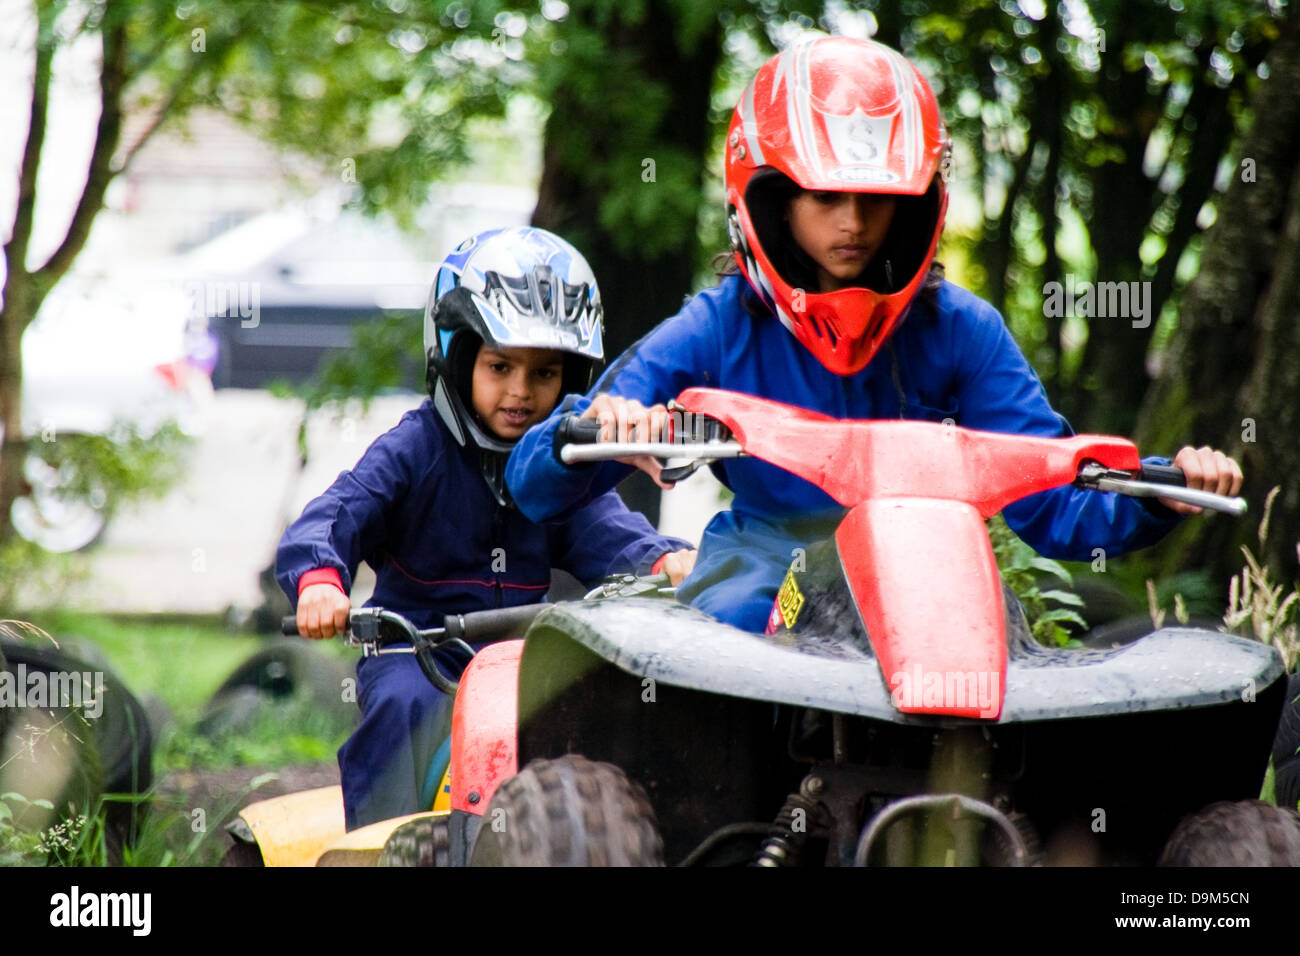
{"points": [[897, 712]]}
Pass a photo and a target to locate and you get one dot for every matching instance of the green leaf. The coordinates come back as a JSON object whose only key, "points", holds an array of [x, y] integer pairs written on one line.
{"points": [[1062, 614], [1054, 568], [1063, 597]]}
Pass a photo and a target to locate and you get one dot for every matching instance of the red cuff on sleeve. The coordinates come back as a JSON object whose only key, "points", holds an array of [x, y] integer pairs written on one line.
{"points": [[320, 576], [654, 568]]}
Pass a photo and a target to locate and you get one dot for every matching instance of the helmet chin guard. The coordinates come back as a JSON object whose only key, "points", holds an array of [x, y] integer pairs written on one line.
{"points": [[510, 288], [837, 114]]}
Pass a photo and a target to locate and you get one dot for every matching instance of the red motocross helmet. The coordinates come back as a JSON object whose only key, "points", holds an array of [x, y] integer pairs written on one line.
{"points": [[842, 115]]}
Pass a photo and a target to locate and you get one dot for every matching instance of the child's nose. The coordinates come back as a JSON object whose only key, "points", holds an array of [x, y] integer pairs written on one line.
{"points": [[859, 209], [520, 383]]}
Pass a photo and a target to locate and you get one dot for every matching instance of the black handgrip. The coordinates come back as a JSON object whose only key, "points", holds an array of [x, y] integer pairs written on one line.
{"points": [[573, 430], [577, 431], [480, 626], [289, 626], [1162, 475]]}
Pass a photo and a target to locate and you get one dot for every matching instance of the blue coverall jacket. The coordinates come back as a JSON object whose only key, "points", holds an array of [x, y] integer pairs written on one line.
{"points": [[417, 510], [951, 358]]}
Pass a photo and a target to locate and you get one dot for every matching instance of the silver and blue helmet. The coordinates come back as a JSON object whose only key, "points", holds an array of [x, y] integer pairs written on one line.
{"points": [[520, 287]]}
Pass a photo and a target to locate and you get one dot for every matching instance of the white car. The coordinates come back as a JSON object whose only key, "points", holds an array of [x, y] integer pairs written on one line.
{"points": [[100, 356]]}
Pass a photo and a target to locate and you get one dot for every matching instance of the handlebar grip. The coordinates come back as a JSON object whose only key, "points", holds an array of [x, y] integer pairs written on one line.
{"points": [[1162, 475], [492, 625], [573, 430], [289, 626], [577, 431]]}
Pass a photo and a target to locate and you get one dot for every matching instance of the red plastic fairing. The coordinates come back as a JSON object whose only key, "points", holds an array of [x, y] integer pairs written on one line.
{"points": [[483, 726], [913, 546], [939, 652], [856, 460]]}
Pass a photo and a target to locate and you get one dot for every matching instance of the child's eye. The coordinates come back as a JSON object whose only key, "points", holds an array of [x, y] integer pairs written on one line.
{"points": [[826, 198], [501, 368], [548, 373]]}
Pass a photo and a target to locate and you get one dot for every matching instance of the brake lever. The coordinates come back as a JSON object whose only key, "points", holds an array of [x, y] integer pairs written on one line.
{"points": [[676, 474], [1098, 477]]}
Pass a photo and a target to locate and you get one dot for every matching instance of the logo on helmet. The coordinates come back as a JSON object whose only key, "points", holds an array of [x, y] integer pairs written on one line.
{"points": [[863, 175], [859, 139]]}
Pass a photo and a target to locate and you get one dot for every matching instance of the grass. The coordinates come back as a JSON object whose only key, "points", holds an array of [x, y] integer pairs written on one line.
{"points": [[182, 663]]}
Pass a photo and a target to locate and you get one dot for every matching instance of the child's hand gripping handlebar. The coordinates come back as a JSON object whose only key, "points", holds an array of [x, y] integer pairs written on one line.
{"points": [[706, 439], [378, 631], [1156, 481]]}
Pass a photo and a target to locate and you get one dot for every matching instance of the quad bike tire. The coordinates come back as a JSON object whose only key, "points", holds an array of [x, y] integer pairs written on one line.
{"points": [[569, 812], [106, 754], [241, 854], [422, 842], [1244, 833]]}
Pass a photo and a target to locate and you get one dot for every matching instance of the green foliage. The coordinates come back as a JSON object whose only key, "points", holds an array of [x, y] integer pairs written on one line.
{"points": [[281, 734], [1259, 606], [182, 662], [30, 569], [125, 464], [1047, 610], [386, 355], [1106, 116], [103, 471], [23, 847]]}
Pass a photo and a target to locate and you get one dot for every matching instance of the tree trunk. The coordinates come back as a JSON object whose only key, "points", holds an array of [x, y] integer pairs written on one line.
{"points": [[1112, 375], [25, 290], [1232, 377], [591, 150]]}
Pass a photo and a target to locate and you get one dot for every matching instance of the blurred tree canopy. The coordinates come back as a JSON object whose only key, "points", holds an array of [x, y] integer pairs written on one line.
{"points": [[1097, 142]]}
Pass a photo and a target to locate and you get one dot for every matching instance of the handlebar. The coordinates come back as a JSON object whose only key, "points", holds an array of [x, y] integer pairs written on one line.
{"points": [[577, 431], [577, 440], [366, 630], [1157, 481]]}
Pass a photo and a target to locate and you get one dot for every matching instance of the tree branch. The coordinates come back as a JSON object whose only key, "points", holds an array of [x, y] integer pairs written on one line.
{"points": [[112, 80], [182, 83], [15, 250], [1200, 166]]}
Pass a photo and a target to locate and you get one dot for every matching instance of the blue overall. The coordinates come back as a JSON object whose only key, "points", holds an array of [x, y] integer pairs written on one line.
{"points": [[952, 358], [418, 511]]}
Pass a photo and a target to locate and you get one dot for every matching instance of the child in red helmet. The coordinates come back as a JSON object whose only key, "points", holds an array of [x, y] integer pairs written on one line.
{"points": [[836, 179]]}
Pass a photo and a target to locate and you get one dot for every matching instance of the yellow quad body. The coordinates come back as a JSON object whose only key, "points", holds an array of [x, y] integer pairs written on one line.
{"points": [[306, 829]]}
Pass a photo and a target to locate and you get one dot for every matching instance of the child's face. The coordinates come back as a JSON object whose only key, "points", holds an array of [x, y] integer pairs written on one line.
{"points": [[840, 231], [515, 388]]}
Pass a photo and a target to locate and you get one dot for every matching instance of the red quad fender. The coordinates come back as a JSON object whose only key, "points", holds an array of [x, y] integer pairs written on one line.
{"points": [[484, 726], [914, 547]]}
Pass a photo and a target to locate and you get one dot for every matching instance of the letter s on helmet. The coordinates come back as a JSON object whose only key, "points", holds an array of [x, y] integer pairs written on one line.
{"points": [[842, 115]]}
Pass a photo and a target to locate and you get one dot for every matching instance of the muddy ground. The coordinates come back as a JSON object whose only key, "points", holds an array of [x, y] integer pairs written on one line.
{"points": [[221, 793]]}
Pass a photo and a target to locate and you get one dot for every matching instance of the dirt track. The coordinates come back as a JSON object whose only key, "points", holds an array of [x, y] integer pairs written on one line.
{"points": [[221, 794]]}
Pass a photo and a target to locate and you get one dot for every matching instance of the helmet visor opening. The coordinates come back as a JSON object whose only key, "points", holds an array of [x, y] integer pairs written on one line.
{"points": [[895, 264]]}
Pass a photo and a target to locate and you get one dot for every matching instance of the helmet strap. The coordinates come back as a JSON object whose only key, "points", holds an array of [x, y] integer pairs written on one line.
{"points": [[492, 465]]}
